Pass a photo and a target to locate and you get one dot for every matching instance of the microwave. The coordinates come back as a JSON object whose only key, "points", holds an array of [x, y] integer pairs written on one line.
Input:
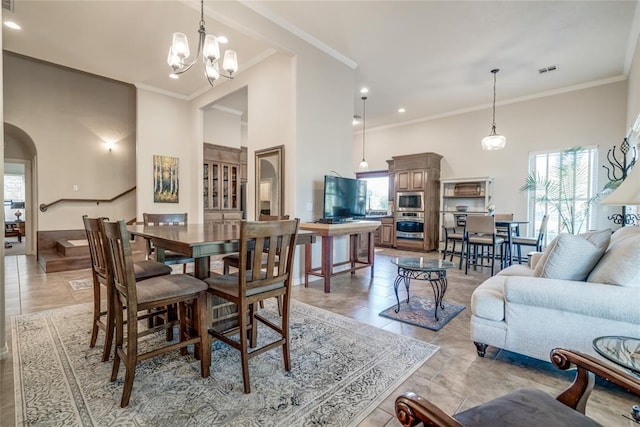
{"points": [[410, 201]]}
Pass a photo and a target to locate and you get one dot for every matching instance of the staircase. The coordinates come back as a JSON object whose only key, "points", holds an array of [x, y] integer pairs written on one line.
{"points": [[62, 250]]}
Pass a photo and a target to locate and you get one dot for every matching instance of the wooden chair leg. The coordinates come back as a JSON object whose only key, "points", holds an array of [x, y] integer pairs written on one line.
{"points": [[131, 358], [96, 313], [244, 351], [110, 326], [205, 339], [285, 334], [253, 337], [119, 313]]}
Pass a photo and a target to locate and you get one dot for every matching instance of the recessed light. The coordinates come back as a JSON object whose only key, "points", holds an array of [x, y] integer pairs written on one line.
{"points": [[364, 90], [222, 39], [12, 25], [174, 76], [401, 110]]}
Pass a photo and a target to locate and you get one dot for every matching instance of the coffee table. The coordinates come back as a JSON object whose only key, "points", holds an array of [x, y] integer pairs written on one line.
{"points": [[431, 270], [623, 351]]}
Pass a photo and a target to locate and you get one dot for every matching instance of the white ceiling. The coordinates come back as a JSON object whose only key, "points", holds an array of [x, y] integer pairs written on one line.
{"points": [[431, 57]]}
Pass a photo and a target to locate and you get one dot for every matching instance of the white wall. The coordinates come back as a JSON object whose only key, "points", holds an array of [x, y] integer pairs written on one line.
{"points": [[164, 128], [633, 94], [222, 128], [594, 116], [68, 115]]}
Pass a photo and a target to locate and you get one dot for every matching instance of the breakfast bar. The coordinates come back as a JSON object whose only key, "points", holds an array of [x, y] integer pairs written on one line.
{"points": [[328, 232]]}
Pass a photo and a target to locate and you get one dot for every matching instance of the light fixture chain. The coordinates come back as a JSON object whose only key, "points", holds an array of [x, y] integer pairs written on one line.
{"points": [[494, 98], [364, 116]]}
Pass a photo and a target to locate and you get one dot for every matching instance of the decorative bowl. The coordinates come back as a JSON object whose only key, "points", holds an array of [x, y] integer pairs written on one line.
{"points": [[462, 208]]}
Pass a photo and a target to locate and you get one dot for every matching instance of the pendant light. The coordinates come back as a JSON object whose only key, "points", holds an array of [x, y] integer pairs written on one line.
{"points": [[494, 141], [364, 166]]}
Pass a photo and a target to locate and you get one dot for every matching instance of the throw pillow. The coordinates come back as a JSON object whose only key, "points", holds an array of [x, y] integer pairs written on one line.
{"points": [[572, 257], [620, 265]]}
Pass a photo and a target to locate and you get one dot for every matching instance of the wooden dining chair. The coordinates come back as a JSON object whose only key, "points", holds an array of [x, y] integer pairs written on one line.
{"points": [[99, 271], [233, 260], [534, 242], [133, 297], [482, 242], [506, 232], [276, 241], [170, 219]]}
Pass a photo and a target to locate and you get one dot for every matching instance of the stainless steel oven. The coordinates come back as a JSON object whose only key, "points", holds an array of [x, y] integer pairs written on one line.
{"points": [[410, 225], [410, 201]]}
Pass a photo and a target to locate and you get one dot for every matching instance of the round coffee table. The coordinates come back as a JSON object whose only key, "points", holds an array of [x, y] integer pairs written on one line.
{"points": [[428, 269], [623, 351]]}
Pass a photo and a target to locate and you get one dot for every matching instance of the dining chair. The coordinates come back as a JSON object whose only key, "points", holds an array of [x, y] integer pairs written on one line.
{"points": [[506, 232], [453, 234], [526, 406], [480, 236], [275, 241], [99, 272], [133, 297], [233, 260], [535, 242], [171, 219]]}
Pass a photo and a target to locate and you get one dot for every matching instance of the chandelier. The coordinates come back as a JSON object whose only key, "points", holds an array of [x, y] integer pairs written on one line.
{"points": [[209, 47], [494, 141], [364, 166]]}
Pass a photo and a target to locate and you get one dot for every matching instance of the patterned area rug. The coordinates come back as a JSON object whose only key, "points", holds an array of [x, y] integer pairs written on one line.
{"points": [[420, 312], [341, 370]]}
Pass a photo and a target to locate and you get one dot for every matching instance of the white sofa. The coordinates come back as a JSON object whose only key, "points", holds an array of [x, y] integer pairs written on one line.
{"points": [[571, 294]]}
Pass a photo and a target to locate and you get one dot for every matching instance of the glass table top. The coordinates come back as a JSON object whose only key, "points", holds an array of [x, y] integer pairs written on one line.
{"points": [[422, 264], [625, 351]]}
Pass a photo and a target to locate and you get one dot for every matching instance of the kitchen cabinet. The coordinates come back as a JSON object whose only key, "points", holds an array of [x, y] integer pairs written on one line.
{"points": [[411, 180]]}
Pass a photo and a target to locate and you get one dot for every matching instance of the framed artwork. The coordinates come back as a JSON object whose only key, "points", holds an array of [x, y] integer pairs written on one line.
{"points": [[165, 179]]}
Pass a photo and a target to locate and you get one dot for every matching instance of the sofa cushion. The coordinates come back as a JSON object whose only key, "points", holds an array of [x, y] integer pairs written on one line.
{"points": [[517, 270], [624, 233], [620, 264], [572, 257]]}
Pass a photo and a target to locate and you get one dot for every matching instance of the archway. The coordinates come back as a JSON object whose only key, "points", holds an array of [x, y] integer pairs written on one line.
{"points": [[20, 154]]}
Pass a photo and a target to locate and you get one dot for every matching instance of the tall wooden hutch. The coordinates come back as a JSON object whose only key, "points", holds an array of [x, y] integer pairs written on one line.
{"points": [[224, 176]]}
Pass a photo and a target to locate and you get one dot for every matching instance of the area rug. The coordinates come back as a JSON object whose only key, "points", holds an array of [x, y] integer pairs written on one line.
{"points": [[78, 285], [341, 371], [420, 312]]}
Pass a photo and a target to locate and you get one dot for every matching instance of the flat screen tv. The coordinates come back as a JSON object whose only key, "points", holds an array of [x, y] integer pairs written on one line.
{"points": [[344, 197]]}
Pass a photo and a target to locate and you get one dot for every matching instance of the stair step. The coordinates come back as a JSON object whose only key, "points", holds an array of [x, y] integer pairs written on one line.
{"points": [[73, 247]]}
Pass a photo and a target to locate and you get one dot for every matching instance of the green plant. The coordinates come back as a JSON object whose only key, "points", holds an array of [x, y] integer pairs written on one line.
{"points": [[565, 190]]}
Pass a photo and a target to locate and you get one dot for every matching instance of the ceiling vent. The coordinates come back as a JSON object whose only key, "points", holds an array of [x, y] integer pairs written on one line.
{"points": [[8, 5], [547, 69]]}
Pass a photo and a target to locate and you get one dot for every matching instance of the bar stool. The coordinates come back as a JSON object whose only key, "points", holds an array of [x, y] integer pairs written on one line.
{"points": [[481, 236], [535, 242], [452, 235]]}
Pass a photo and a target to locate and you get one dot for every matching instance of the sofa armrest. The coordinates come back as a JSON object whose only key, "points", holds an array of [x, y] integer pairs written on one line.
{"points": [[587, 366], [412, 410], [591, 299]]}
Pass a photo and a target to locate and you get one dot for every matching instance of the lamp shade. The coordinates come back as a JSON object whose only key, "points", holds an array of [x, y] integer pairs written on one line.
{"points": [[628, 193], [364, 166], [230, 62], [494, 142], [180, 45]]}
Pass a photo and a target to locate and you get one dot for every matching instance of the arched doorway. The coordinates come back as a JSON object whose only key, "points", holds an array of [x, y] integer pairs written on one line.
{"points": [[20, 166]]}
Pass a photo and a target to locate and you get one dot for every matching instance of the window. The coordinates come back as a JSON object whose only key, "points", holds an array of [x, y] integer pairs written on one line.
{"points": [[377, 191], [563, 185]]}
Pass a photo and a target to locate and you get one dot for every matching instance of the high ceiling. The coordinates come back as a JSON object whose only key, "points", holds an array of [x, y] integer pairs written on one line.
{"points": [[430, 57]]}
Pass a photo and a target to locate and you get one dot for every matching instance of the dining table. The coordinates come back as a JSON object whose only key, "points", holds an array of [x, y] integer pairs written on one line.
{"points": [[514, 230], [199, 241]]}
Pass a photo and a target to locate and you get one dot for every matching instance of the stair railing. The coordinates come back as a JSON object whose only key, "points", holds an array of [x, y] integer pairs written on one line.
{"points": [[45, 206]]}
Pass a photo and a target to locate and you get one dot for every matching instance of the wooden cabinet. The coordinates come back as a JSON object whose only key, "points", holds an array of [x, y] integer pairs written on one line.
{"points": [[418, 173], [222, 174], [385, 233], [412, 180]]}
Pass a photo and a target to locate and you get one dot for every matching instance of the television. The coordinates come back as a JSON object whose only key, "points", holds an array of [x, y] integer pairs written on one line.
{"points": [[344, 197]]}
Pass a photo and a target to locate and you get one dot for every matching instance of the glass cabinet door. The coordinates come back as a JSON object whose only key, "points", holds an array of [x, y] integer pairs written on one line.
{"points": [[215, 195], [225, 186], [205, 186]]}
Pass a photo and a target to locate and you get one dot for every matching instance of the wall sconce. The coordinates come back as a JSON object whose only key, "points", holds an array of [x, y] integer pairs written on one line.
{"points": [[110, 145]]}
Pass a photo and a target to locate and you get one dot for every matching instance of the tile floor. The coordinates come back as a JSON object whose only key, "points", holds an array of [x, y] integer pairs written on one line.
{"points": [[454, 378]]}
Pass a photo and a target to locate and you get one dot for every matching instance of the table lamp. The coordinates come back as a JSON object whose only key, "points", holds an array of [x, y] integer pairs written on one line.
{"points": [[18, 206]]}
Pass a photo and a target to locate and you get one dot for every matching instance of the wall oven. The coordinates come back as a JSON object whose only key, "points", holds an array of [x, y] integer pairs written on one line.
{"points": [[412, 201], [410, 225]]}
